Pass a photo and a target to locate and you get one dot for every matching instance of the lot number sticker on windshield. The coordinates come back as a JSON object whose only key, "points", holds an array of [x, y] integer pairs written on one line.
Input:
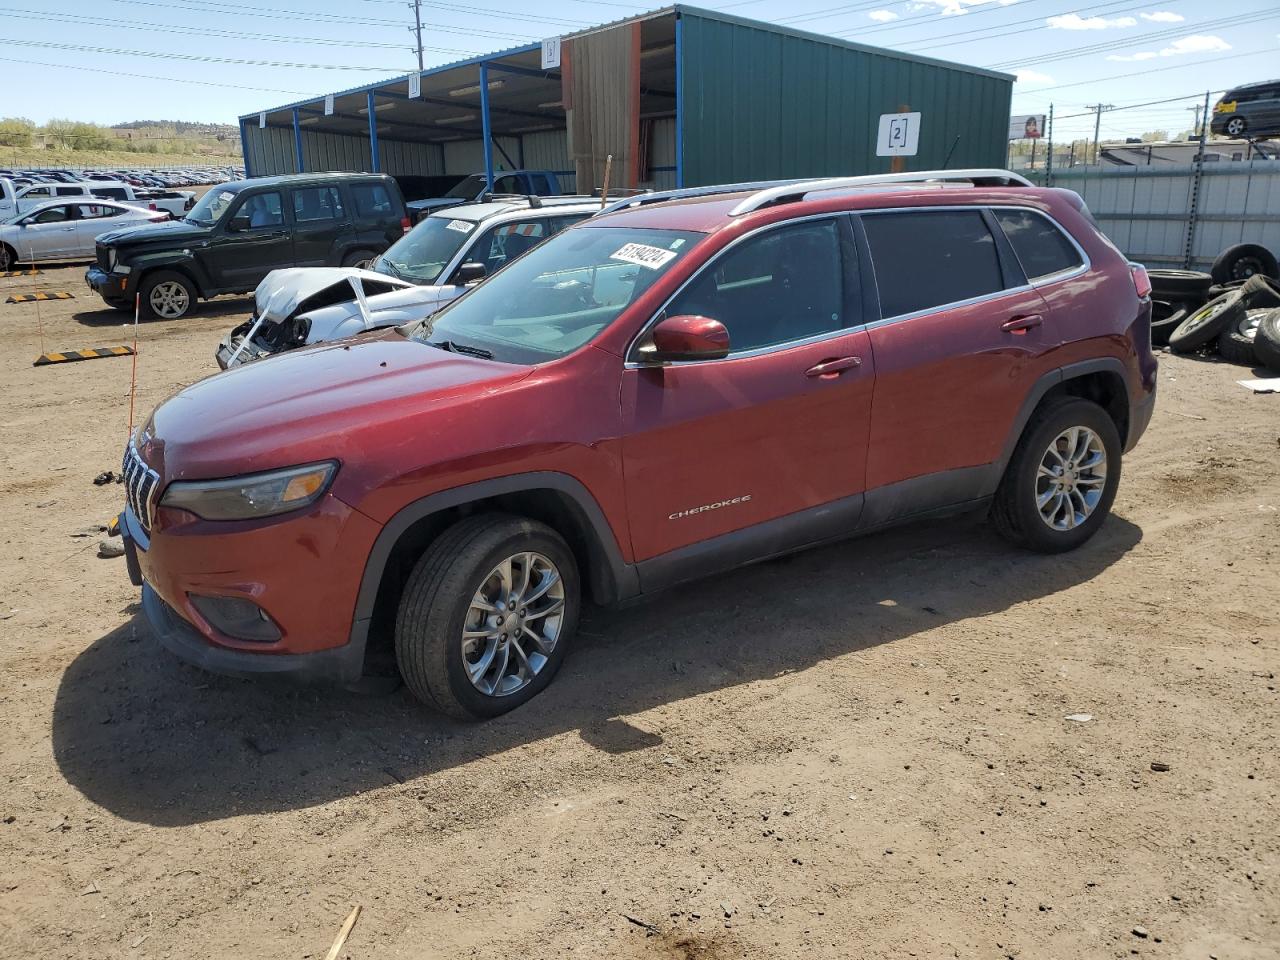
{"points": [[643, 255], [462, 226]]}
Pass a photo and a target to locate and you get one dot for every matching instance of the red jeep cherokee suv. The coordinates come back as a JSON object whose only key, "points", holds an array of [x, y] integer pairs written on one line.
{"points": [[687, 383]]}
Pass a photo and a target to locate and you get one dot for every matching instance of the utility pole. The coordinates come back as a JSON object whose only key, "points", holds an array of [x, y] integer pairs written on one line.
{"points": [[1196, 108], [1098, 109], [417, 28]]}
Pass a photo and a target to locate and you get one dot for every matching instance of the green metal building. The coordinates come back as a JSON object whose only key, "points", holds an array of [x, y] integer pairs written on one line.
{"points": [[679, 97]]}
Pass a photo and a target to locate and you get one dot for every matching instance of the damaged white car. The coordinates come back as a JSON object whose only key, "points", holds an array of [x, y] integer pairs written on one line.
{"points": [[431, 265]]}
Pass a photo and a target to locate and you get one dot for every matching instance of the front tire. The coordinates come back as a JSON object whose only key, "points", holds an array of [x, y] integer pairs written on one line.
{"points": [[8, 258], [487, 616], [1061, 481], [168, 295]]}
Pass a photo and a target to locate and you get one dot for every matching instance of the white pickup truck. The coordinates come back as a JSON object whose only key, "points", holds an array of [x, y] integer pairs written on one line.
{"points": [[20, 199]]}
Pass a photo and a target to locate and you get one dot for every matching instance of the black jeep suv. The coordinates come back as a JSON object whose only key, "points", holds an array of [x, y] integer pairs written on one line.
{"points": [[239, 232]]}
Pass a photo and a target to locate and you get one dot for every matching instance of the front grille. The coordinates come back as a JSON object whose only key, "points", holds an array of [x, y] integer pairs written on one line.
{"points": [[104, 259], [140, 483]]}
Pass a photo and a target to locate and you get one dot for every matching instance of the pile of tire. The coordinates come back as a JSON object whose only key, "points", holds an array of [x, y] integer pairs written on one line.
{"points": [[1223, 312]]}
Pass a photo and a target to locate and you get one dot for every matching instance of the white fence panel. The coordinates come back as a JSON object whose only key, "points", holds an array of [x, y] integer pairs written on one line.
{"points": [[1147, 211]]}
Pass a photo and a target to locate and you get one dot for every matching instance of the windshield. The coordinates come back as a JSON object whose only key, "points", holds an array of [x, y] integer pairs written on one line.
{"points": [[468, 189], [558, 295], [422, 254], [210, 208]]}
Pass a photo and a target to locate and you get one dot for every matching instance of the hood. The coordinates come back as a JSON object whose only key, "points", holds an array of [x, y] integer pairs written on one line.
{"points": [[163, 231], [385, 310], [435, 203], [315, 404], [282, 293]]}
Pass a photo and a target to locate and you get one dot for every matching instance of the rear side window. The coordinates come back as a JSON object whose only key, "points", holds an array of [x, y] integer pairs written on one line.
{"points": [[931, 258], [371, 199], [316, 203], [111, 193], [69, 191], [1041, 247]]}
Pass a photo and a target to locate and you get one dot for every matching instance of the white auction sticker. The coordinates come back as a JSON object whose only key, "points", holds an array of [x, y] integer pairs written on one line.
{"points": [[462, 226], [644, 255]]}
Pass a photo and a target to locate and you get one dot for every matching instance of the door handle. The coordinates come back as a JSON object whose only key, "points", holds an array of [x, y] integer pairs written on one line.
{"points": [[830, 369], [1022, 324]]}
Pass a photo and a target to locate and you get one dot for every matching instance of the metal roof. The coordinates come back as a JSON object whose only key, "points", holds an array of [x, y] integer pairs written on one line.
{"points": [[527, 60]]}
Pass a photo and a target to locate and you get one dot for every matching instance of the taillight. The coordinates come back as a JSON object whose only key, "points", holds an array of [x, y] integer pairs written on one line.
{"points": [[1141, 282], [405, 225], [152, 206]]}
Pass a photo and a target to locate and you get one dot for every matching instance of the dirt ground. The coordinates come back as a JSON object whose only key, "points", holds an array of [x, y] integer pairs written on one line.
{"points": [[860, 752]]}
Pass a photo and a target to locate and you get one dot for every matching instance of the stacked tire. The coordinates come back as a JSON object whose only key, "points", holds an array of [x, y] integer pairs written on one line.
{"points": [[1239, 319]]}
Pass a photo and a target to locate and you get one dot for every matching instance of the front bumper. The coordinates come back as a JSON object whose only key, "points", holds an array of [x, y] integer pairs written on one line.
{"points": [[231, 343], [109, 286], [282, 566], [342, 665]]}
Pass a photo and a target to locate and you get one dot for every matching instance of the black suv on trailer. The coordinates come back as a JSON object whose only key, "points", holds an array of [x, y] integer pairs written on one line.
{"points": [[239, 232]]}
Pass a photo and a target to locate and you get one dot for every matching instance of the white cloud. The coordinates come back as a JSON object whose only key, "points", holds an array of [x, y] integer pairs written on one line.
{"points": [[950, 8], [1033, 76], [882, 16], [1163, 16], [1073, 21], [1196, 44]]}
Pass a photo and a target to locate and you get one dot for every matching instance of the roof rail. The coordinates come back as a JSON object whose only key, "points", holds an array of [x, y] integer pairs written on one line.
{"points": [[799, 189], [661, 196]]}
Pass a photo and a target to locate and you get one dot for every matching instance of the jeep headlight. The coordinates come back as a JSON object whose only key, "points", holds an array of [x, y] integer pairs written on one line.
{"points": [[252, 495]]}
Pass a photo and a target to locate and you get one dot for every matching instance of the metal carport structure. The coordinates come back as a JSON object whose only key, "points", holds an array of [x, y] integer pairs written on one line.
{"points": [[680, 97]]}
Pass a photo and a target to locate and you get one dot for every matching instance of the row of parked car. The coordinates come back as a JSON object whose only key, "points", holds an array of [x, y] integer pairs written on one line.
{"points": [[158, 179]]}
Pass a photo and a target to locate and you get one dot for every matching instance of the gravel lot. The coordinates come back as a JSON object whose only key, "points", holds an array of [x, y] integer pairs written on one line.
{"points": [[859, 752]]}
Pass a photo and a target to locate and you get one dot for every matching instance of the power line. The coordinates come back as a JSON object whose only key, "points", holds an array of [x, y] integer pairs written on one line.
{"points": [[1142, 73], [18, 13], [150, 76], [1040, 22], [1157, 35], [161, 55], [281, 13]]}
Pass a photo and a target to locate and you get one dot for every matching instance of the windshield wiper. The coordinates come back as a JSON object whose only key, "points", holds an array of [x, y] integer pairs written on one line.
{"points": [[454, 347], [391, 265]]}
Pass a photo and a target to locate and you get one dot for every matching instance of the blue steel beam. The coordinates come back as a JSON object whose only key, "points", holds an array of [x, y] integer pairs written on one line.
{"points": [[485, 125], [297, 142], [679, 103], [373, 135]]}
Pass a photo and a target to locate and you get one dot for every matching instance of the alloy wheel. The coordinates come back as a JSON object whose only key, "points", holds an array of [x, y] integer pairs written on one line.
{"points": [[1235, 126], [169, 299], [1071, 478], [513, 624]]}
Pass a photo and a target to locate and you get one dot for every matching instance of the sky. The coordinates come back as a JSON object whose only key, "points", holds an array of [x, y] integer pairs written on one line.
{"points": [[110, 61]]}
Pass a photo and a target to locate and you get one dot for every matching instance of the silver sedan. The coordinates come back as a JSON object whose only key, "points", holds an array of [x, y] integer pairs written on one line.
{"points": [[64, 230]]}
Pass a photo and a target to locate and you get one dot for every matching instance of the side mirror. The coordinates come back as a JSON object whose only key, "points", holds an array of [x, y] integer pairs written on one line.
{"points": [[470, 272], [674, 339], [238, 224]]}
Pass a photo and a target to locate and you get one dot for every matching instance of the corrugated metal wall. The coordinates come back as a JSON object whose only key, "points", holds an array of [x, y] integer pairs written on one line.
{"points": [[761, 105], [1146, 211], [662, 154], [269, 150]]}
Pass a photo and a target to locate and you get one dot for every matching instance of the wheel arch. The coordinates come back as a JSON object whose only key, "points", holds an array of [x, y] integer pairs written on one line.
{"points": [[1101, 380], [178, 266], [558, 500]]}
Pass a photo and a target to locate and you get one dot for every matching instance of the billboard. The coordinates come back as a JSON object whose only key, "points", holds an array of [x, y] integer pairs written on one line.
{"points": [[1028, 126]]}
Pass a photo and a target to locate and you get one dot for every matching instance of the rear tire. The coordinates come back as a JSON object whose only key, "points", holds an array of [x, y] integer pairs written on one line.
{"points": [[1235, 344], [1244, 260], [1266, 343], [462, 646], [359, 258], [1203, 326], [1166, 318], [1051, 513], [1177, 285]]}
